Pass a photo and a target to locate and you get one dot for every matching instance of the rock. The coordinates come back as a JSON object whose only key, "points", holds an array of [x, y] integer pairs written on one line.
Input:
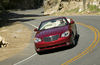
{"points": [[3, 43], [51, 6], [95, 2], [80, 10], [99, 7]]}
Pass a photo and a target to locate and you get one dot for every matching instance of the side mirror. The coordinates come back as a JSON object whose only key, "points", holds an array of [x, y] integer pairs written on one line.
{"points": [[35, 29], [70, 21]]}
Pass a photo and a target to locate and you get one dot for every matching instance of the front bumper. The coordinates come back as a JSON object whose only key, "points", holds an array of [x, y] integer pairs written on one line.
{"points": [[42, 46]]}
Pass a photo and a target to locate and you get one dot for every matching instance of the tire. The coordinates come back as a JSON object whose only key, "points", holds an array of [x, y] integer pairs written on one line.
{"points": [[76, 34], [73, 40], [38, 52]]}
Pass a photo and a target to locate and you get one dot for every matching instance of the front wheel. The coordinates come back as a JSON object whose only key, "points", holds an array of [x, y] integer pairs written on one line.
{"points": [[39, 52], [73, 40]]}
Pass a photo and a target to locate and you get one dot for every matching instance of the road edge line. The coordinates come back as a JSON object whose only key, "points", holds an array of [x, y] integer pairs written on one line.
{"points": [[25, 59], [29, 56]]}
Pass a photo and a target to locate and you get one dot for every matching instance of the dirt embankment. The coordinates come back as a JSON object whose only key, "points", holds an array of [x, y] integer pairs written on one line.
{"points": [[18, 37]]}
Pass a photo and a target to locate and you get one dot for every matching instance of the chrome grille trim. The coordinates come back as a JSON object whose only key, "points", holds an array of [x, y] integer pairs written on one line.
{"points": [[51, 38]]}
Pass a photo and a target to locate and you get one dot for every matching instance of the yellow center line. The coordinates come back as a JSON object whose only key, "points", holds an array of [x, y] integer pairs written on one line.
{"points": [[83, 51], [87, 50], [98, 37]]}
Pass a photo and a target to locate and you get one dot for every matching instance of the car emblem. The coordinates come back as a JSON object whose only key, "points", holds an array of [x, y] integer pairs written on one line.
{"points": [[51, 38]]}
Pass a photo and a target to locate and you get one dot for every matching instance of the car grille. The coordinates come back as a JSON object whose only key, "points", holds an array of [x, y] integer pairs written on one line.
{"points": [[51, 38]]}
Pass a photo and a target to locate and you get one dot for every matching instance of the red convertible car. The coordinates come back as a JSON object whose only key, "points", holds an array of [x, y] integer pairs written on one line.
{"points": [[54, 33]]}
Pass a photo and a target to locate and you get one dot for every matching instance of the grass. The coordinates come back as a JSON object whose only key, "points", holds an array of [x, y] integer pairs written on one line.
{"points": [[93, 8], [67, 12], [73, 10]]}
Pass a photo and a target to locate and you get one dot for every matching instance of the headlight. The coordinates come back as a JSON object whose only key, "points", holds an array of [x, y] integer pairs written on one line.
{"points": [[65, 34], [36, 40]]}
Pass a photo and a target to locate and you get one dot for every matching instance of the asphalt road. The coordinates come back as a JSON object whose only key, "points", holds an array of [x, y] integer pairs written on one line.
{"points": [[77, 55]]}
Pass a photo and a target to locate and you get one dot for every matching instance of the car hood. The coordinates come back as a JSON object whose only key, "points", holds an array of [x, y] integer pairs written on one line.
{"points": [[53, 31]]}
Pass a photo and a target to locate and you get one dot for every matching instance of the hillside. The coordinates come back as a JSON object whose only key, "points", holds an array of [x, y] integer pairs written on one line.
{"points": [[60, 7]]}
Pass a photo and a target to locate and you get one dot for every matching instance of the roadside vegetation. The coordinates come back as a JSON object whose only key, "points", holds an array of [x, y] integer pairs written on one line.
{"points": [[72, 10], [93, 8]]}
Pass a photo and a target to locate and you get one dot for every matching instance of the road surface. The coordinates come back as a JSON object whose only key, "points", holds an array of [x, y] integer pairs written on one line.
{"points": [[86, 52]]}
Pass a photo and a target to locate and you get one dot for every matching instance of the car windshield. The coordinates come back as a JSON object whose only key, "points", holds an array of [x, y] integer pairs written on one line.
{"points": [[52, 23]]}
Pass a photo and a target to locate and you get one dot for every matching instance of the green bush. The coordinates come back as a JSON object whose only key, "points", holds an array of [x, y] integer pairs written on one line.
{"points": [[93, 8]]}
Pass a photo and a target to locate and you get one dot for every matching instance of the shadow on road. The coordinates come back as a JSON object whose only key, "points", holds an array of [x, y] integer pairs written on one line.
{"points": [[7, 18], [61, 48], [14, 15]]}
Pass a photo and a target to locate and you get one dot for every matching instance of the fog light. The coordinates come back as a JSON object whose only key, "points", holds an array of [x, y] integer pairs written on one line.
{"points": [[38, 49], [68, 43]]}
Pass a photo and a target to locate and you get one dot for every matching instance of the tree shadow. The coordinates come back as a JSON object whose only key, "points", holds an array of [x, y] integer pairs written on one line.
{"points": [[14, 15], [7, 18], [61, 48]]}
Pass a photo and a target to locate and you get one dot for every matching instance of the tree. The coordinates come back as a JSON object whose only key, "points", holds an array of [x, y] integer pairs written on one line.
{"points": [[25, 4], [84, 4], [2, 6]]}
